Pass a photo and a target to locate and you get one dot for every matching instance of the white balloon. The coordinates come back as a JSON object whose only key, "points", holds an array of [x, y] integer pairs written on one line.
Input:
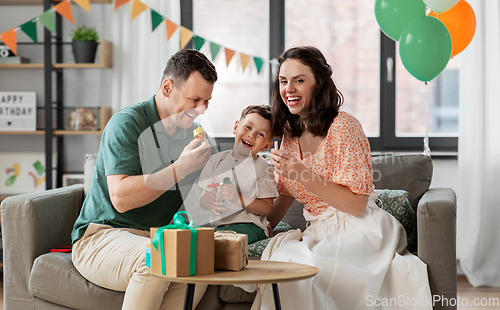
{"points": [[440, 6]]}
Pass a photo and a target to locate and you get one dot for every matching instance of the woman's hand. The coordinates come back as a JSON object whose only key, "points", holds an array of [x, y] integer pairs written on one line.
{"points": [[209, 201], [287, 165]]}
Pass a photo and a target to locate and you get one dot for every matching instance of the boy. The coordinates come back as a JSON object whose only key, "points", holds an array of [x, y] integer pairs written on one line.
{"points": [[238, 185]]}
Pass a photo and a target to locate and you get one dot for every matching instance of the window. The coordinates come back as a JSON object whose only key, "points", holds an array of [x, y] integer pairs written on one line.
{"points": [[439, 97], [388, 101], [347, 34]]}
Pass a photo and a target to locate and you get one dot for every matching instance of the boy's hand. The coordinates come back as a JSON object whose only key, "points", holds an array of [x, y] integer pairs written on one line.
{"points": [[209, 201], [230, 193]]}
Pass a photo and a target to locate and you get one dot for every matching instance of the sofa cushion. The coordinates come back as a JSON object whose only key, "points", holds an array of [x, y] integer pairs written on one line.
{"points": [[412, 173], [255, 249], [396, 203], [233, 294], [55, 279], [88, 171]]}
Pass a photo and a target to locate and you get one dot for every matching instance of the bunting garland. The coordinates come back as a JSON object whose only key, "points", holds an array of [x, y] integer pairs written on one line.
{"points": [[156, 19], [47, 19], [229, 55], [10, 39], [186, 36], [171, 28], [258, 63], [214, 49], [119, 3], [30, 29], [198, 42], [84, 4], [137, 8], [64, 9], [245, 59]]}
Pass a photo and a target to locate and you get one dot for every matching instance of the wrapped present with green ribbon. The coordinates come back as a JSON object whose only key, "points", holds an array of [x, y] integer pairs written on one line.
{"points": [[180, 250]]}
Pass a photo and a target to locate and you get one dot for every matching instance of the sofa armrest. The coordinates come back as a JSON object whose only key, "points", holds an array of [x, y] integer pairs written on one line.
{"points": [[32, 224], [436, 227]]}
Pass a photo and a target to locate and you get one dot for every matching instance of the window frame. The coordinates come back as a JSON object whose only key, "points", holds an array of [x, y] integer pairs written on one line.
{"points": [[387, 141]]}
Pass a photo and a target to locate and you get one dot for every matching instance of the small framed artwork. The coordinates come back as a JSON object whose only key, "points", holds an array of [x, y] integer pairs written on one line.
{"points": [[22, 172], [71, 179]]}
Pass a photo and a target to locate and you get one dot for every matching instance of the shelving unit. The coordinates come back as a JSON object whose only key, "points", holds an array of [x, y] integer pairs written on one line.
{"points": [[105, 53], [27, 2], [104, 116], [53, 96]]}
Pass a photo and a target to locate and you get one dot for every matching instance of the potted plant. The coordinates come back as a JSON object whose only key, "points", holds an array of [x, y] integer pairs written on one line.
{"points": [[84, 44]]}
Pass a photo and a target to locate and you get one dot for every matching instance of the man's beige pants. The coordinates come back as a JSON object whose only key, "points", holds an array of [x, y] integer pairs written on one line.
{"points": [[116, 259]]}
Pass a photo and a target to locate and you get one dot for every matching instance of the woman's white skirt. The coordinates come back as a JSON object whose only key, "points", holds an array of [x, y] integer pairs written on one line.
{"points": [[363, 264]]}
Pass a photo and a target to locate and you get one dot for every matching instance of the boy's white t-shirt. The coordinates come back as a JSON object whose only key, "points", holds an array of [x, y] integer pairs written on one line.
{"points": [[255, 178]]}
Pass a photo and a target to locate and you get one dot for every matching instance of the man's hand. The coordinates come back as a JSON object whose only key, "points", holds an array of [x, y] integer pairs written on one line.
{"points": [[194, 158], [209, 201]]}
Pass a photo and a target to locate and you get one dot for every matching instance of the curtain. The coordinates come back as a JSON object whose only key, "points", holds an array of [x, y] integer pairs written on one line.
{"points": [[478, 232], [139, 54]]}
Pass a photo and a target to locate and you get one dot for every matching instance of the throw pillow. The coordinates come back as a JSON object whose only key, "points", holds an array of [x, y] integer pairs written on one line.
{"points": [[396, 203], [255, 249]]}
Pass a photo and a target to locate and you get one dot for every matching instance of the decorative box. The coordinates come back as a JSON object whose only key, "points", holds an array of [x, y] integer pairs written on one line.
{"points": [[178, 255], [231, 250]]}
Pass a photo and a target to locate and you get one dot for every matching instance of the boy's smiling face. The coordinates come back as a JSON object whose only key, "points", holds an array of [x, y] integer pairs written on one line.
{"points": [[252, 135]]}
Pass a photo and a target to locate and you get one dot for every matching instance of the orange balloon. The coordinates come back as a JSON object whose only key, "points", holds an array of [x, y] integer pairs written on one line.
{"points": [[461, 24]]}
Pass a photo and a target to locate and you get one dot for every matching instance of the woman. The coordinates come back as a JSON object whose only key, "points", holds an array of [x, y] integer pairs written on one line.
{"points": [[325, 163]]}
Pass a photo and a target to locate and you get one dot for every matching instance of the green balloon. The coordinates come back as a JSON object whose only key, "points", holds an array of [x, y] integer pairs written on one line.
{"points": [[393, 15], [425, 47]]}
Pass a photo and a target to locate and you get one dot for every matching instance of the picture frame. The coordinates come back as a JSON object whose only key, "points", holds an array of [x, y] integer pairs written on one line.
{"points": [[71, 179], [23, 172]]}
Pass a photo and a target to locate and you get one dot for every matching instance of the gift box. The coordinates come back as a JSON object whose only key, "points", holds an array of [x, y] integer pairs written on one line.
{"points": [[231, 250], [178, 254]]}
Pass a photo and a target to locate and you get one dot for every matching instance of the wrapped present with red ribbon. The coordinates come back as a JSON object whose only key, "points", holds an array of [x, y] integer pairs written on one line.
{"points": [[181, 250]]}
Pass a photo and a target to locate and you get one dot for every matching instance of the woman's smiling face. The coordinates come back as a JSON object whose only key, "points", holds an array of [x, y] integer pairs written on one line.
{"points": [[297, 85]]}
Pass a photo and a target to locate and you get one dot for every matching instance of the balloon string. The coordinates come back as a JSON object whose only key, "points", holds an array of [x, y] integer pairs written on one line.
{"points": [[427, 149]]}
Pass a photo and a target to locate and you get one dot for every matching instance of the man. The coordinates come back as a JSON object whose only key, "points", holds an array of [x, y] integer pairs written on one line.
{"points": [[147, 154]]}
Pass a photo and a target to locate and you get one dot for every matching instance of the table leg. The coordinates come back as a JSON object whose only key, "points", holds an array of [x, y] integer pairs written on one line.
{"points": [[276, 295], [188, 299]]}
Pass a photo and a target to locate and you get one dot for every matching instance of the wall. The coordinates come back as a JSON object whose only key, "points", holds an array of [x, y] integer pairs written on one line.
{"points": [[445, 174]]}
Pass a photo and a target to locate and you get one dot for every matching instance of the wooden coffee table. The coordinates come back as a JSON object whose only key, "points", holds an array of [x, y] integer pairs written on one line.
{"points": [[257, 272]]}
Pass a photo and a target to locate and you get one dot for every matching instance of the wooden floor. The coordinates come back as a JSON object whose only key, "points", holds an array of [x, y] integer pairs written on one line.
{"points": [[484, 297]]}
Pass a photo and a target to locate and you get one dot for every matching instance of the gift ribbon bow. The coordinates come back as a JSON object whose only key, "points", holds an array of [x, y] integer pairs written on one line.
{"points": [[179, 223]]}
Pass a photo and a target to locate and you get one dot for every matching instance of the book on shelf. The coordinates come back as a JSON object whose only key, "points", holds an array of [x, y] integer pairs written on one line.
{"points": [[14, 60]]}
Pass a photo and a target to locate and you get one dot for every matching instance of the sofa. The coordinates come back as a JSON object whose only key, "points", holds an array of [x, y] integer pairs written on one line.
{"points": [[34, 223]]}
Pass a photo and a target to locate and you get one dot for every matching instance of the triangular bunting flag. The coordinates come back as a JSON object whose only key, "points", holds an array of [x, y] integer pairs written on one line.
{"points": [[258, 63], [85, 4], [198, 42], [48, 20], [30, 29], [214, 50], [245, 59], [156, 19], [186, 36], [10, 39], [171, 28], [137, 8], [64, 9], [119, 3], [229, 55]]}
